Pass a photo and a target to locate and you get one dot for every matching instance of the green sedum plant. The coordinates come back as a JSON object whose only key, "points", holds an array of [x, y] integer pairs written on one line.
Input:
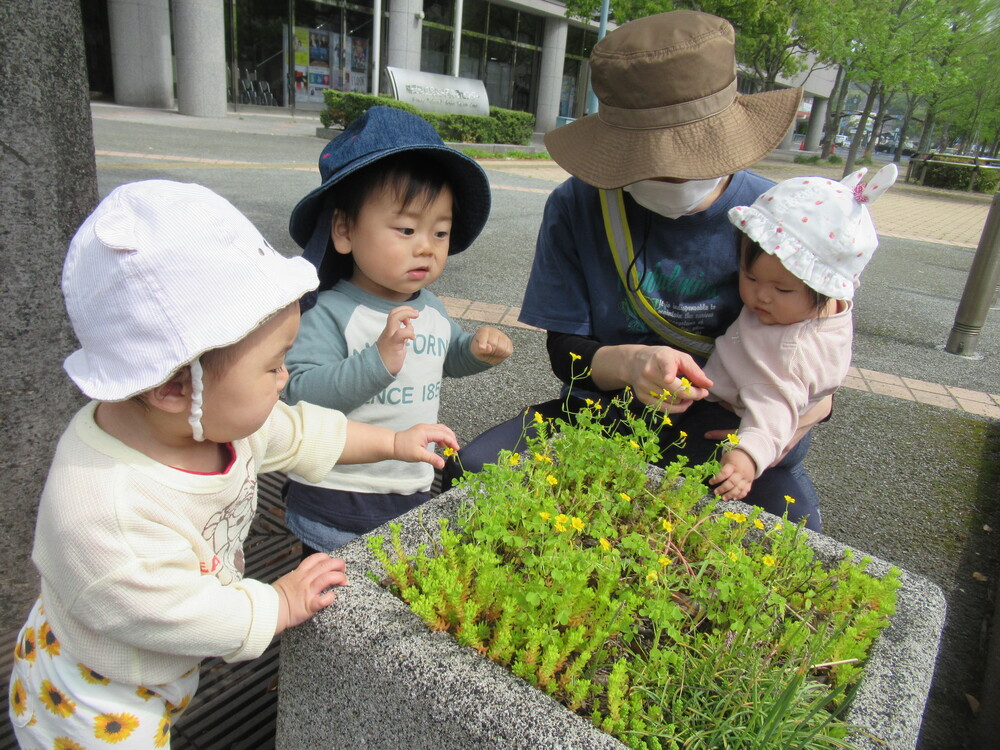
{"points": [[638, 603]]}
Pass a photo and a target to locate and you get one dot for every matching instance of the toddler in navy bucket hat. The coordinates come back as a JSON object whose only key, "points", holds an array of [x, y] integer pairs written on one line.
{"points": [[393, 203]]}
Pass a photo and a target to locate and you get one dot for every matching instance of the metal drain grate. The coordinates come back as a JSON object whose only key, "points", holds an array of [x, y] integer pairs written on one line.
{"points": [[236, 704]]}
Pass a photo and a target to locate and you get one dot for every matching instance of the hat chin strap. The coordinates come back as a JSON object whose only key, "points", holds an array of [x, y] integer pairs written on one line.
{"points": [[197, 388]]}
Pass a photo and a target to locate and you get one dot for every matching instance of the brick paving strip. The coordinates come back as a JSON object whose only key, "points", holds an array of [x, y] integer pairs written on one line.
{"points": [[894, 212]]}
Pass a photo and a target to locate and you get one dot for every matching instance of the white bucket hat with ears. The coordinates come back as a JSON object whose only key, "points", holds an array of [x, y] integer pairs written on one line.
{"points": [[820, 229], [160, 273]]}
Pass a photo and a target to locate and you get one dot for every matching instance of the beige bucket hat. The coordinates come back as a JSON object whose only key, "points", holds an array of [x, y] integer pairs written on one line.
{"points": [[668, 106]]}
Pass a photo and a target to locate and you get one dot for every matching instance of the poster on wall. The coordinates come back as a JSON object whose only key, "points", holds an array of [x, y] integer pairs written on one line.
{"points": [[319, 48], [358, 82], [359, 53]]}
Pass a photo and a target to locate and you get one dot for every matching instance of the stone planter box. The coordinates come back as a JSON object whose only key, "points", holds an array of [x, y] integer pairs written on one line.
{"points": [[367, 673]]}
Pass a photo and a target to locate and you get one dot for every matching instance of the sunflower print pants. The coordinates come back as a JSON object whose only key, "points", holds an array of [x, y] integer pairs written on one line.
{"points": [[57, 702]]}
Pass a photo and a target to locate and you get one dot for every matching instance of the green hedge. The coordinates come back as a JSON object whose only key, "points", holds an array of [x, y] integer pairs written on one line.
{"points": [[502, 126], [957, 176]]}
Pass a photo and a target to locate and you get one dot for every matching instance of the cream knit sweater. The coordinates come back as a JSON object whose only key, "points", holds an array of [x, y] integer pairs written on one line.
{"points": [[142, 564]]}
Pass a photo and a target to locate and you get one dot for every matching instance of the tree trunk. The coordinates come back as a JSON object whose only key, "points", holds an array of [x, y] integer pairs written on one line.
{"points": [[832, 123], [911, 104], [859, 134], [48, 185], [928, 130]]}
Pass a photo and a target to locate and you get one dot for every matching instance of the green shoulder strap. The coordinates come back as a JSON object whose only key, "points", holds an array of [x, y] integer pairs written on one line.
{"points": [[620, 240]]}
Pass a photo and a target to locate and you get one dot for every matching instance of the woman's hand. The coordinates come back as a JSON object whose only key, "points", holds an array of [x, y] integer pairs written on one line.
{"points": [[660, 376]]}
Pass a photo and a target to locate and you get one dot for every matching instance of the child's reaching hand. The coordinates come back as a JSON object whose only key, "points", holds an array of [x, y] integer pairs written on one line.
{"points": [[734, 480], [392, 343], [303, 592], [411, 445], [491, 345]]}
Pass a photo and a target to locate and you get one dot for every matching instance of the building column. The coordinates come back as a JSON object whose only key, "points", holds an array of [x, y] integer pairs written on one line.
{"points": [[140, 52], [817, 120], [788, 141], [405, 29], [200, 51], [551, 73]]}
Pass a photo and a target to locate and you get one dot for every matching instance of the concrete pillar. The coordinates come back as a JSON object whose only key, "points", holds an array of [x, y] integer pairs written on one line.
{"points": [[200, 52], [817, 121], [551, 73], [405, 28], [788, 141], [140, 52], [48, 185]]}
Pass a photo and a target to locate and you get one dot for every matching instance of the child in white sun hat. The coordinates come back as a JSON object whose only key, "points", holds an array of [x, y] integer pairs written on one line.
{"points": [[184, 314], [804, 244]]}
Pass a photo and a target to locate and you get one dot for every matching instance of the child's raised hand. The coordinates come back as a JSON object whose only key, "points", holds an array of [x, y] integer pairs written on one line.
{"points": [[734, 480], [491, 345], [303, 592], [411, 445], [392, 341]]}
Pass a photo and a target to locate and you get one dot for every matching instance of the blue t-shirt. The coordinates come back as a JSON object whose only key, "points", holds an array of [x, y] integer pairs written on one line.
{"points": [[688, 266]]}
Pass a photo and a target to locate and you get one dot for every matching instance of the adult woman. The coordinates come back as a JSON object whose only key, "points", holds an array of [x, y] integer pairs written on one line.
{"points": [[635, 269]]}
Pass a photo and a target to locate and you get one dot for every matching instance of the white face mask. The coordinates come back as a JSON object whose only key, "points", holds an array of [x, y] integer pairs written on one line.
{"points": [[672, 199]]}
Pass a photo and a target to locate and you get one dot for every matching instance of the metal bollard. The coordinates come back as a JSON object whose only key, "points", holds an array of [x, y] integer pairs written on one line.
{"points": [[980, 287]]}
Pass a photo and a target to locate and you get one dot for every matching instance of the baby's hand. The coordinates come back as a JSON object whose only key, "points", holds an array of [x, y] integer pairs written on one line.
{"points": [[303, 592], [491, 345], [392, 342], [734, 480], [411, 445]]}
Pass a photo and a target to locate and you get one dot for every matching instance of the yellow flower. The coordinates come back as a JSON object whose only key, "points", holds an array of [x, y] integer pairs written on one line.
{"points": [[652, 576], [685, 384], [55, 700], [789, 499], [758, 524], [17, 697], [544, 515], [560, 527], [541, 457], [26, 648], [163, 732], [449, 452], [635, 445], [683, 435], [733, 438], [737, 517], [94, 678], [179, 708], [778, 526], [734, 556], [625, 496], [665, 561], [47, 640], [515, 459], [562, 518], [539, 418], [574, 356], [605, 544], [589, 401], [667, 526], [768, 561], [65, 743], [577, 523], [552, 480], [597, 406], [666, 421], [114, 728]]}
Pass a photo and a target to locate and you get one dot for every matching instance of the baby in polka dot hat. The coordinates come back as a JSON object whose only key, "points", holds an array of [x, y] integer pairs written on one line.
{"points": [[803, 245]]}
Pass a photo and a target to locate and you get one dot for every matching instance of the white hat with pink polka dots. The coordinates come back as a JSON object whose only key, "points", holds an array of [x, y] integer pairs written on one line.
{"points": [[819, 229]]}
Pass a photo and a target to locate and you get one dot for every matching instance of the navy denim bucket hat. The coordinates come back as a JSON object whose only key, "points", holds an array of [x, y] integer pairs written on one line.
{"points": [[380, 132]]}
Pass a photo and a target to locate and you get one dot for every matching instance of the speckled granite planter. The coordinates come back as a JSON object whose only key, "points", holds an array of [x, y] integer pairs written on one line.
{"points": [[366, 672]]}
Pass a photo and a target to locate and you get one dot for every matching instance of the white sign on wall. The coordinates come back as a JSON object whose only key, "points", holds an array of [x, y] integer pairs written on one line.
{"points": [[433, 92]]}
